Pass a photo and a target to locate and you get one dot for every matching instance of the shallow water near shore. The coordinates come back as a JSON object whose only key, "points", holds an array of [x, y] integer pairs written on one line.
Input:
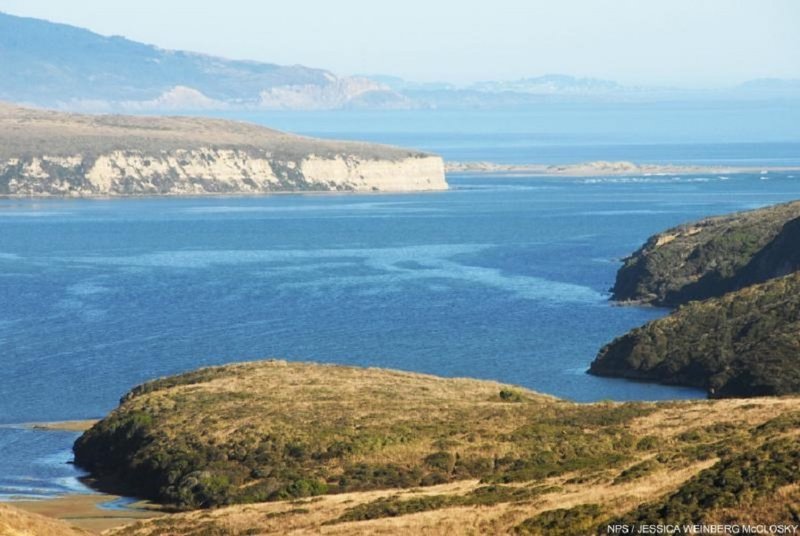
{"points": [[37, 464], [499, 278]]}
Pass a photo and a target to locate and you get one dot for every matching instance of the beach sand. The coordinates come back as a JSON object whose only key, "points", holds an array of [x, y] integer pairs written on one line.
{"points": [[83, 511]]}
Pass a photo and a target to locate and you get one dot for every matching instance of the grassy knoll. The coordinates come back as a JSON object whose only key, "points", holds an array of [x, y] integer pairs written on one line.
{"points": [[272, 446]]}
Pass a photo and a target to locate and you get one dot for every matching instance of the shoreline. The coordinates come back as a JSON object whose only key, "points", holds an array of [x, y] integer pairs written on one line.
{"points": [[599, 168], [604, 168], [85, 511], [94, 511]]}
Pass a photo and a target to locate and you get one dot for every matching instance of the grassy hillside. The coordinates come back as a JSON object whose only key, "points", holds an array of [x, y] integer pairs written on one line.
{"points": [[746, 343], [282, 446], [712, 256]]}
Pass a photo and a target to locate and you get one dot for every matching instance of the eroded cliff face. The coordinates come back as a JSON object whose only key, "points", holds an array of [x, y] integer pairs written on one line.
{"points": [[207, 170]]}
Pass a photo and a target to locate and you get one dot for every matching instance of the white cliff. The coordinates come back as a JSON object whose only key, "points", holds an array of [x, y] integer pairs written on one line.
{"points": [[48, 153]]}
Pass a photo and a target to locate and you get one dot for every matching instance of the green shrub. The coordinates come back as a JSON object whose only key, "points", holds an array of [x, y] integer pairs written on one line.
{"points": [[482, 496], [509, 395], [647, 443], [636, 471], [577, 521], [304, 488], [441, 460]]}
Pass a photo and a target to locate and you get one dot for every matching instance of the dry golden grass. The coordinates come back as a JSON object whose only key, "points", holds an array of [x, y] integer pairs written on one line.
{"points": [[16, 522], [317, 403]]}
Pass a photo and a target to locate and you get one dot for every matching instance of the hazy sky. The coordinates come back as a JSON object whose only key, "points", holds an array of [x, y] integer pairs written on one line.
{"points": [[679, 42]]}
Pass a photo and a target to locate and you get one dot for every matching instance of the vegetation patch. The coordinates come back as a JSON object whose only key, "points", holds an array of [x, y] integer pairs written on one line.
{"points": [[637, 471], [577, 521], [510, 395]]}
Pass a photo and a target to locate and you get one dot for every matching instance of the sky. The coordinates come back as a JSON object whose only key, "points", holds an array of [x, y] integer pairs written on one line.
{"points": [[690, 43]]}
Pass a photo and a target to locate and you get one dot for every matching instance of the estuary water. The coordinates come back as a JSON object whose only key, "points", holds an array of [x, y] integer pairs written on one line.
{"points": [[501, 278]]}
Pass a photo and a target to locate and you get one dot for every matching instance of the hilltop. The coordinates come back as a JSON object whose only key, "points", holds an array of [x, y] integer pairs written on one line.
{"points": [[275, 446], [55, 153]]}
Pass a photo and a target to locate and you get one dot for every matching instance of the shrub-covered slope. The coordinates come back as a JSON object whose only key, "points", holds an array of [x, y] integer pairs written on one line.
{"points": [[781, 256], [757, 485], [711, 257], [746, 343], [388, 452]]}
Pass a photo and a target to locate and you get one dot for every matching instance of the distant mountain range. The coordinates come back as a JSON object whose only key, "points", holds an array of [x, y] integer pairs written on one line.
{"points": [[51, 64], [565, 88], [48, 64]]}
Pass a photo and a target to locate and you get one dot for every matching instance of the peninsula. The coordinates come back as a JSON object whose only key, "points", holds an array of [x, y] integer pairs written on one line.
{"points": [[47, 153], [736, 281]]}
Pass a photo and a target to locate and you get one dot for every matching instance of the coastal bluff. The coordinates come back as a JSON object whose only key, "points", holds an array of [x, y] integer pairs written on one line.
{"points": [[47, 153]]}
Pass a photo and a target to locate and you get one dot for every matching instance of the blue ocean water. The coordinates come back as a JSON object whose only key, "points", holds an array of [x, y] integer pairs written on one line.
{"points": [[499, 278], [735, 133]]}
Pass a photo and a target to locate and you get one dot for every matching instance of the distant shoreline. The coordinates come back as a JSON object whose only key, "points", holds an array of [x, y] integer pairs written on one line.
{"points": [[593, 169]]}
